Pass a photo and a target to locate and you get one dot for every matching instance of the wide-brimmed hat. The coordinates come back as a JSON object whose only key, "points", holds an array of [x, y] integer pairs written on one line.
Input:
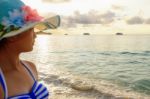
{"points": [[16, 17]]}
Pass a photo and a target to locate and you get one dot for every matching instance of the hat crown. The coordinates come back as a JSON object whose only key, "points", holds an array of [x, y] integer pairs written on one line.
{"points": [[9, 5], [16, 17]]}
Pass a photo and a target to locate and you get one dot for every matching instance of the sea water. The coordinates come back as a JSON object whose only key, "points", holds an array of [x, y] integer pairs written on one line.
{"points": [[122, 61]]}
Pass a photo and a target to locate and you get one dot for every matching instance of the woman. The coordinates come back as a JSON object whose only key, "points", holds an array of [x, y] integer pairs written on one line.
{"points": [[18, 78]]}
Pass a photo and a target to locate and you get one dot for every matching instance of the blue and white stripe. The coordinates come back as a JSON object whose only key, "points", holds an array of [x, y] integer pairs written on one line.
{"points": [[3, 83], [38, 92]]}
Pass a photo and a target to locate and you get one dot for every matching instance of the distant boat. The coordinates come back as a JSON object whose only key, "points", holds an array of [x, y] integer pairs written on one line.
{"points": [[66, 34], [119, 33], [86, 33]]}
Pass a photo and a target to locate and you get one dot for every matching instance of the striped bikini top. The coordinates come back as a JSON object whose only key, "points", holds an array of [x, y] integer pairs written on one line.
{"points": [[38, 90]]}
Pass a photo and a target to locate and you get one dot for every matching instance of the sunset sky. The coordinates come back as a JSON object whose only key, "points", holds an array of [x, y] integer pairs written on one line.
{"points": [[97, 16]]}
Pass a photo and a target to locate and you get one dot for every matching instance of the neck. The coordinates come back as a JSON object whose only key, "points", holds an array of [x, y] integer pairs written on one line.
{"points": [[9, 60]]}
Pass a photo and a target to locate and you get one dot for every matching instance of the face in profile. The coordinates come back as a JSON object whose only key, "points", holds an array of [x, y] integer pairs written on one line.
{"points": [[24, 42], [28, 39]]}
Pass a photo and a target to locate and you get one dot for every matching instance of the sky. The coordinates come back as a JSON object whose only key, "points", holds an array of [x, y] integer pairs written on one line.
{"points": [[97, 16]]}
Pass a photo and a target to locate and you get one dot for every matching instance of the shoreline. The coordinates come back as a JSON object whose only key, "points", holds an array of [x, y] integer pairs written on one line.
{"points": [[64, 85]]}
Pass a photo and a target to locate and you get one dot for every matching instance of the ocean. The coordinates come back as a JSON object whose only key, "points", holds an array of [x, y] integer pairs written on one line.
{"points": [[116, 66]]}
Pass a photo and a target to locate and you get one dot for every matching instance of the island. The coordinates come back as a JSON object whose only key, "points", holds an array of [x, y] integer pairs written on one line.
{"points": [[65, 34], [86, 33], [119, 33], [47, 33]]}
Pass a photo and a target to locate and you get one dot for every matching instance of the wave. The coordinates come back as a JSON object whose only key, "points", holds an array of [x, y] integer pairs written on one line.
{"points": [[69, 86], [140, 53], [142, 85]]}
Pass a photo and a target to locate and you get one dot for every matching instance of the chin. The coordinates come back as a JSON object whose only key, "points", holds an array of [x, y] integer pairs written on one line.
{"points": [[28, 50]]}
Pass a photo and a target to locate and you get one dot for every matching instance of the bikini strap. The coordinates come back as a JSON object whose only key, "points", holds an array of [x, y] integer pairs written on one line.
{"points": [[3, 83], [29, 70]]}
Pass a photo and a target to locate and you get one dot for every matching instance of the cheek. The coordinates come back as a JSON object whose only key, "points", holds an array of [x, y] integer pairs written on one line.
{"points": [[31, 37]]}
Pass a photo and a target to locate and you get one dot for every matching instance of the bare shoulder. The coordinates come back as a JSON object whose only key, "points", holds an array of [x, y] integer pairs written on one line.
{"points": [[33, 67], [1, 92]]}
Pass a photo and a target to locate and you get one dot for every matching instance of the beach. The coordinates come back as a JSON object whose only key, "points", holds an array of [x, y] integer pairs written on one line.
{"points": [[64, 85], [73, 70]]}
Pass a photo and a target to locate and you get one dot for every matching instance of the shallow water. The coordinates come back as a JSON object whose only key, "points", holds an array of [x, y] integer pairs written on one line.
{"points": [[115, 65]]}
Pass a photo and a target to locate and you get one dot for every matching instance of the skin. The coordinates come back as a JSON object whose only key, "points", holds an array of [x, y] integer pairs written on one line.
{"points": [[17, 78]]}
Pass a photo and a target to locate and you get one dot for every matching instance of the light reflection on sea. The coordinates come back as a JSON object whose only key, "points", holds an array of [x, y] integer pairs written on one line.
{"points": [[117, 65]]}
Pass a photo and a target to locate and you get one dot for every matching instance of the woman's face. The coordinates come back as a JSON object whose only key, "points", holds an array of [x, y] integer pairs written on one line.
{"points": [[26, 40]]}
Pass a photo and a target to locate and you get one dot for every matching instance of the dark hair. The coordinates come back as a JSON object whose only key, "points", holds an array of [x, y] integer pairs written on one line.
{"points": [[2, 42]]}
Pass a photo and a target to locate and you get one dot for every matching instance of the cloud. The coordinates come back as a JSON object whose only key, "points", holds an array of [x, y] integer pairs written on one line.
{"points": [[55, 1], [147, 21], [92, 17], [67, 22], [135, 20], [107, 17], [95, 17], [89, 18]]}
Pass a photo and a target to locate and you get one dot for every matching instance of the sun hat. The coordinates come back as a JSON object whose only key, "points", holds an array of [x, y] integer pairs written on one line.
{"points": [[16, 17]]}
